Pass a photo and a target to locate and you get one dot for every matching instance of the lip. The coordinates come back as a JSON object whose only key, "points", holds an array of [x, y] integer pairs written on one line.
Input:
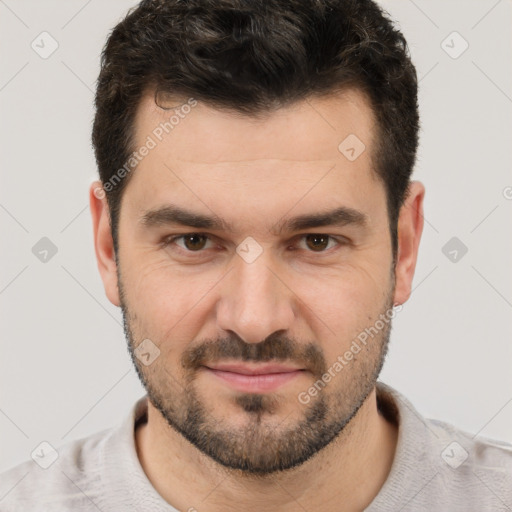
{"points": [[254, 379], [260, 369]]}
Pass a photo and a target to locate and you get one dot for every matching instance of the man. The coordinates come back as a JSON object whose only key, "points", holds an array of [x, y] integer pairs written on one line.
{"points": [[256, 223]]}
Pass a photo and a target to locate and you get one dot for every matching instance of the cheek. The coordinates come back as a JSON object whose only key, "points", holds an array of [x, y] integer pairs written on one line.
{"points": [[339, 304], [164, 297], [169, 299]]}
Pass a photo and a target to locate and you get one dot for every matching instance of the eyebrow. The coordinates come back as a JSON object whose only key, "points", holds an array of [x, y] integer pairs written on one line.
{"points": [[174, 215]]}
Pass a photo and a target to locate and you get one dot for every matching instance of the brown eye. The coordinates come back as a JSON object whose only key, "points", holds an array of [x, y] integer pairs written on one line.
{"points": [[316, 242], [194, 241]]}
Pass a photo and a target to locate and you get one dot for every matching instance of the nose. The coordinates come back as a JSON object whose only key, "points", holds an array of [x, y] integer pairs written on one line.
{"points": [[255, 300]]}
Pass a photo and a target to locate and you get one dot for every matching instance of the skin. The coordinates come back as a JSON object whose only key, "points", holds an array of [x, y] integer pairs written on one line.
{"points": [[254, 173]]}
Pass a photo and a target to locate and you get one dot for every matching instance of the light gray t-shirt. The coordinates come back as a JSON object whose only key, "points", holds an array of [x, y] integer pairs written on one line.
{"points": [[437, 468]]}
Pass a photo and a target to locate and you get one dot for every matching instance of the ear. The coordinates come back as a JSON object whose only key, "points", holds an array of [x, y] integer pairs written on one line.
{"points": [[103, 242], [410, 228]]}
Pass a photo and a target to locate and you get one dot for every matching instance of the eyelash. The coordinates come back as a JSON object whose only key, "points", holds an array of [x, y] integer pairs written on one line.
{"points": [[171, 240]]}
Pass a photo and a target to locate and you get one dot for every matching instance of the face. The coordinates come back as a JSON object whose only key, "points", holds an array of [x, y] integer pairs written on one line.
{"points": [[256, 242]]}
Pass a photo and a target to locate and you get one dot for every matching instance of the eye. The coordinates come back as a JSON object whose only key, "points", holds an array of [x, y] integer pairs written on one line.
{"points": [[198, 242], [192, 242], [318, 242]]}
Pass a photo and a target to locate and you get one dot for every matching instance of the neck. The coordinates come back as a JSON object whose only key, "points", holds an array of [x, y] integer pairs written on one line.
{"points": [[350, 470]]}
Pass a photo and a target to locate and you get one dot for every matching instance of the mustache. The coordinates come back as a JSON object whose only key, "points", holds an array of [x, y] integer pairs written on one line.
{"points": [[275, 347]]}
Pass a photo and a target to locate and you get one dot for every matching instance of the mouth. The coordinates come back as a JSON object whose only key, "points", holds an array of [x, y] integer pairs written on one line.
{"points": [[254, 378]]}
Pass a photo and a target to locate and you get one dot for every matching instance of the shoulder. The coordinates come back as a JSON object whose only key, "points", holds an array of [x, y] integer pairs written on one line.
{"points": [[474, 458], [438, 466], [54, 480], [470, 472]]}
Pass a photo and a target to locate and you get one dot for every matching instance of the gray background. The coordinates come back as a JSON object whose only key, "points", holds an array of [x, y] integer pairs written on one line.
{"points": [[64, 369]]}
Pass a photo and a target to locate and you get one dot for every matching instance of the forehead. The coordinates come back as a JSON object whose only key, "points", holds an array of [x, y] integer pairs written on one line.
{"points": [[305, 130], [319, 148]]}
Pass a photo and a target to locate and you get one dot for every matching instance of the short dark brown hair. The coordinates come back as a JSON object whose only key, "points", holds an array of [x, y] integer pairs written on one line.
{"points": [[253, 56]]}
